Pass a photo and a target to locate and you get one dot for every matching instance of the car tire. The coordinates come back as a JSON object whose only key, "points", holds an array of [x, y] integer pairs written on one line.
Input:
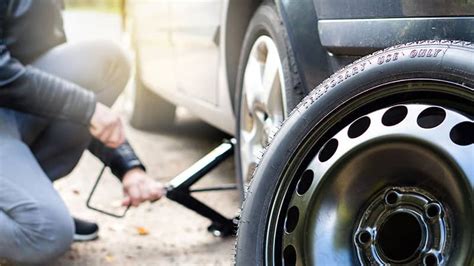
{"points": [[411, 108], [266, 23], [150, 111]]}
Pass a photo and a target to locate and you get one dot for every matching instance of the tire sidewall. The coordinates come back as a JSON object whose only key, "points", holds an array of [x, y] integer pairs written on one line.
{"points": [[266, 21], [451, 65]]}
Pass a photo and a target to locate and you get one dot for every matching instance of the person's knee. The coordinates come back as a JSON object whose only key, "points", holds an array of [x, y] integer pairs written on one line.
{"points": [[118, 62], [47, 238], [116, 65], [123, 61]]}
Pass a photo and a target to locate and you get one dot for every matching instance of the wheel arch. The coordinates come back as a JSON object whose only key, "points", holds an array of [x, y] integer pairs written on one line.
{"points": [[301, 23], [239, 14]]}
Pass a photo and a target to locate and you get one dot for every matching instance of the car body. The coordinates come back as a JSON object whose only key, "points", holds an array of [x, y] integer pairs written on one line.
{"points": [[196, 54], [217, 59], [189, 49]]}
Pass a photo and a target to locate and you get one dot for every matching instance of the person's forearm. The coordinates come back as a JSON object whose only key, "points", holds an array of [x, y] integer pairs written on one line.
{"points": [[120, 160], [30, 90], [45, 95]]}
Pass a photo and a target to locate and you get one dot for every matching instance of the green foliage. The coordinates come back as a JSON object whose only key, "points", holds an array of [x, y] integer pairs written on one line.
{"points": [[101, 5]]}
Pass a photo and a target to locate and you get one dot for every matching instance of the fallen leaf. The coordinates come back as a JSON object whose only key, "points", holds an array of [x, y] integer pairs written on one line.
{"points": [[109, 258], [142, 231]]}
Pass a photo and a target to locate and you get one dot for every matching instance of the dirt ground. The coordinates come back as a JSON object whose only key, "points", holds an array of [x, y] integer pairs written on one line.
{"points": [[173, 234], [163, 233]]}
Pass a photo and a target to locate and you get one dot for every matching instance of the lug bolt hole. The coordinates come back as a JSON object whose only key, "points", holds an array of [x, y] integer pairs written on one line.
{"points": [[292, 219], [433, 210], [431, 117], [305, 182], [430, 259], [394, 115], [265, 116], [289, 256], [364, 237], [328, 150], [358, 127], [463, 133], [391, 197]]}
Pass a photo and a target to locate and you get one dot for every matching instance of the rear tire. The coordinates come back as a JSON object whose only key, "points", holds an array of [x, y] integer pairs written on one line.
{"points": [[266, 31], [150, 111], [309, 203]]}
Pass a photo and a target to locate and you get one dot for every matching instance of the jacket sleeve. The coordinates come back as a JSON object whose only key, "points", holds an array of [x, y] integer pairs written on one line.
{"points": [[120, 160], [27, 89]]}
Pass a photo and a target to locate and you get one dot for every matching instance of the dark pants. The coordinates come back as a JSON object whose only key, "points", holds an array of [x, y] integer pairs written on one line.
{"points": [[35, 225]]}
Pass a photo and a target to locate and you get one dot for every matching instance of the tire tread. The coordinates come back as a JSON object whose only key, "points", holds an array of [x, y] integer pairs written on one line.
{"points": [[321, 90]]}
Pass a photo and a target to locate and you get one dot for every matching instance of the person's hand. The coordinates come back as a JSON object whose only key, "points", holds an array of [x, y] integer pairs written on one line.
{"points": [[107, 127], [139, 187]]}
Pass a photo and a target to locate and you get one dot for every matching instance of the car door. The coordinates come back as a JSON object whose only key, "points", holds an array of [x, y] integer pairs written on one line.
{"points": [[151, 37], [195, 28]]}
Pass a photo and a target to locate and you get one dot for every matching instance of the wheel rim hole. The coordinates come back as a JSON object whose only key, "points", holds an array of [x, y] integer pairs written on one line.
{"points": [[262, 53], [431, 117], [400, 237], [364, 237], [394, 115], [391, 198], [265, 116], [358, 127], [430, 260], [328, 150], [289, 256], [292, 219], [433, 210], [463, 133], [305, 182]]}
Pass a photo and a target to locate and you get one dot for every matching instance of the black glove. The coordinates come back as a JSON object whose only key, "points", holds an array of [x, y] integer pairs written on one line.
{"points": [[120, 160]]}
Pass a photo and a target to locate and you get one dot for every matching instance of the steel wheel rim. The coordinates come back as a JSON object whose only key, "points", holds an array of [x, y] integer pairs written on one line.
{"points": [[263, 102], [296, 241]]}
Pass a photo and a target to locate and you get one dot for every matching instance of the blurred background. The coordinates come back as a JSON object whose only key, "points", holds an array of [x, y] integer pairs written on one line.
{"points": [[102, 5]]}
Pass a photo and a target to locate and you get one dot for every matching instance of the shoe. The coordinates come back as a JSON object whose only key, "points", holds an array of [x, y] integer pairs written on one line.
{"points": [[85, 231]]}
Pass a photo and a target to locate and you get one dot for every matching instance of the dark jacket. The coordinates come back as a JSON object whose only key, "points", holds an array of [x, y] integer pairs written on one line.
{"points": [[29, 28]]}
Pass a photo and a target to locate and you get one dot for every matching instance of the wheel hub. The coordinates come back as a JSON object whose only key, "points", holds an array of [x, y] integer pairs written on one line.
{"points": [[392, 187], [403, 225]]}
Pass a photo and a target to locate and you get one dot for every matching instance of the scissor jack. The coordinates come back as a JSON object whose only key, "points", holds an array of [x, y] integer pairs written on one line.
{"points": [[179, 190]]}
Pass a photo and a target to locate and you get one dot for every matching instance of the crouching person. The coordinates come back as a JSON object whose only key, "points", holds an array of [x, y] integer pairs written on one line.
{"points": [[54, 104]]}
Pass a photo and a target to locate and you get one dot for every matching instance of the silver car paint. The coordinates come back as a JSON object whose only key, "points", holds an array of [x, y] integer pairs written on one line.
{"points": [[179, 59]]}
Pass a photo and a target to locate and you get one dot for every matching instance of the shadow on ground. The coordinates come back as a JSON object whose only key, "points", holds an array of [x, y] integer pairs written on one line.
{"points": [[175, 235]]}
